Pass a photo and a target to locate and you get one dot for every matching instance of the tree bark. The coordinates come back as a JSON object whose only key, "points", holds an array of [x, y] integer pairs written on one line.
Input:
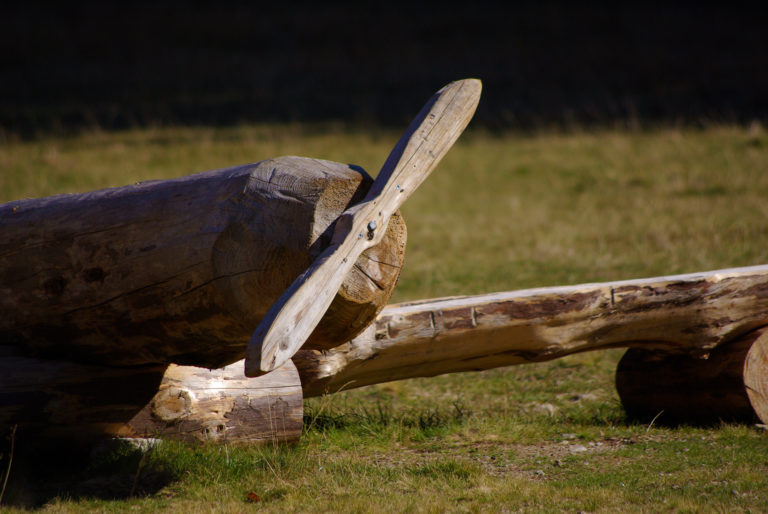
{"points": [[182, 270], [59, 399], [689, 314]]}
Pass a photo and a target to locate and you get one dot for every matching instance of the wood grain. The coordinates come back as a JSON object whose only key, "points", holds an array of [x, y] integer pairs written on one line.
{"points": [[756, 374], [182, 270], [287, 325], [53, 398], [691, 314], [223, 405]]}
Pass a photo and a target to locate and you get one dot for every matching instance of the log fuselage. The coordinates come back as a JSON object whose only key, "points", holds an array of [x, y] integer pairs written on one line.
{"points": [[182, 270]]}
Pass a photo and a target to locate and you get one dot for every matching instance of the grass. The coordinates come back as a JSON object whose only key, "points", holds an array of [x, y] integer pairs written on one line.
{"points": [[503, 211]]}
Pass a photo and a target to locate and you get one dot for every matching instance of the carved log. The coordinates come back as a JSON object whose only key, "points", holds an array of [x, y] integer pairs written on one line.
{"points": [[691, 314], [182, 270], [82, 402]]}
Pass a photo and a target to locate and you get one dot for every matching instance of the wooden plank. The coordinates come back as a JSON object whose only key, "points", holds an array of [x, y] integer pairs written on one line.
{"points": [[182, 270], [287, 325], [689, 314]]}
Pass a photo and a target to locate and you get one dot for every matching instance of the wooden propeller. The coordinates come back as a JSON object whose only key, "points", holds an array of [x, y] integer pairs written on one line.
{"points": [[293, 317]]}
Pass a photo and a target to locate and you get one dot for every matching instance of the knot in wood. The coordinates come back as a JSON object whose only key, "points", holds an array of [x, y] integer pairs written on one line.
{"points": [[172, 404]]}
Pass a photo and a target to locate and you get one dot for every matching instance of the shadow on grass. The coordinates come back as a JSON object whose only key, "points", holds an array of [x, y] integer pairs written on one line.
{"points": [[108, 470]]}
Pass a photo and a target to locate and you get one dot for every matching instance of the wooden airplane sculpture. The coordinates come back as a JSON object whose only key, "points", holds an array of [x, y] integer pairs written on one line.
{"points": [[127, 311]]}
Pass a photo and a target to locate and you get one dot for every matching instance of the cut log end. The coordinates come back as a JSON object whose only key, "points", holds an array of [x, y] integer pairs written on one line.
{"points": [[756, 375], [365, 291], [83, 402]]}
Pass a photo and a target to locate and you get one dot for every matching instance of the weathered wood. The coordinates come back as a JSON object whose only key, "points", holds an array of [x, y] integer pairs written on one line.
{"points": [[756, 374], [690, 314], [293, 317], [671, 388], [52, 398], [223, 405], [182, 270]]}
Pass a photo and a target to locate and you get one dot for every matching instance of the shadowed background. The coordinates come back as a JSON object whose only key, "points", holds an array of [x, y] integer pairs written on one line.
{"points": [[543, 65]]}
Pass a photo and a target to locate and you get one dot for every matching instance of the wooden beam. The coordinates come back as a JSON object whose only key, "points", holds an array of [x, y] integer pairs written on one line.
{"points": [[691, 314]]}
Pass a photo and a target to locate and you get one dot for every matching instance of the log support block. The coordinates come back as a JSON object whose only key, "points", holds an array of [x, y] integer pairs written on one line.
{"points": [[730, 385], [59, 399]]}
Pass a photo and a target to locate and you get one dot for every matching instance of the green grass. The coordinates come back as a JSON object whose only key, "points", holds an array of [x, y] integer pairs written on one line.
{"points": [[501, 212]]}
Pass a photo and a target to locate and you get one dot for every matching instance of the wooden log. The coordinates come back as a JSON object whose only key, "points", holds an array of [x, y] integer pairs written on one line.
{"points": [[690, 314], [664, 388], [182, 270], [59, 399], [223, 405]]}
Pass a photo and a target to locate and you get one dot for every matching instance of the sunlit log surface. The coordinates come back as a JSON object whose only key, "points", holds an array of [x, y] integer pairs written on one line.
{"points": [[59, 399], [182, 270], [691, 315]]}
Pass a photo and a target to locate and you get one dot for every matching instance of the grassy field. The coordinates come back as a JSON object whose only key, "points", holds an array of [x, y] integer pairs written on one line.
{"points": [[503, 211]]}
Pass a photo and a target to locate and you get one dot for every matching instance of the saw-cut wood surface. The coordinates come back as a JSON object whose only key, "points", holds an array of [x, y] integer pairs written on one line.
{"points": [[182, 270], [756, 374], [691, 314], [60, 399], [223, 405], [293, 317]]}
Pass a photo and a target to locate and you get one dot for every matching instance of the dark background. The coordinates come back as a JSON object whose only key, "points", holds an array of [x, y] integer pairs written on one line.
{"points": [[72, 67]]}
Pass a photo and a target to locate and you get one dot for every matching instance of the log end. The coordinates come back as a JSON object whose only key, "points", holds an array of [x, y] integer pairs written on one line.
{"points": [[365, 291], [756, 375]]}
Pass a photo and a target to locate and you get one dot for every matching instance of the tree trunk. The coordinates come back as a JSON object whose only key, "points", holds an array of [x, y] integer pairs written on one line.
{"points": [[182, 270], [82, 402], [690, 314]]}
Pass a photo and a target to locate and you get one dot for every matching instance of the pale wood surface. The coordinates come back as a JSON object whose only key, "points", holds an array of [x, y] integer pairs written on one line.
{"points": [[182, 270], [287, 325], [756, 375], [53, 398], [689, 314], [223, 405]]}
